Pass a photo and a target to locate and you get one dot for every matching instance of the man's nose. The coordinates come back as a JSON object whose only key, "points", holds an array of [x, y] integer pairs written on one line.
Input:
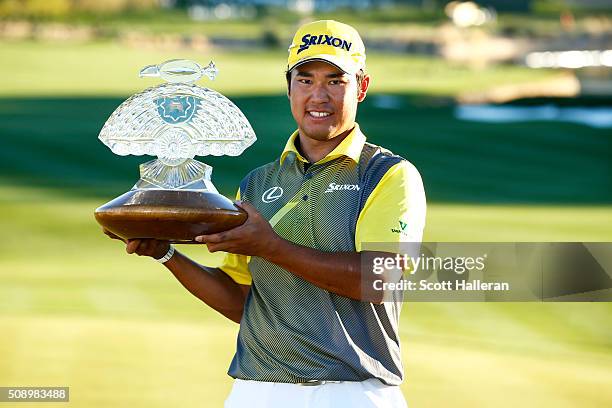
{"points": [[320, 94]]}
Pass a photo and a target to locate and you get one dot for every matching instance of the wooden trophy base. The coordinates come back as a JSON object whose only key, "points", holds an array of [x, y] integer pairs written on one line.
{"points": [[177, 216]]}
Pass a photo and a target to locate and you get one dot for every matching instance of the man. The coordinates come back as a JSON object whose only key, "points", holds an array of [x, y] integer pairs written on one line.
{"points": [[311, 334]]}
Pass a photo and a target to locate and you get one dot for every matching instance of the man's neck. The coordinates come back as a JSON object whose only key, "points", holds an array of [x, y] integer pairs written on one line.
{"points": [[314, 150]]}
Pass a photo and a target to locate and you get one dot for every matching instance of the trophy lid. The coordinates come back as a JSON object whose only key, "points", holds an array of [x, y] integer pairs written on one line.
{"points": [[178, 120], [179, 70]]}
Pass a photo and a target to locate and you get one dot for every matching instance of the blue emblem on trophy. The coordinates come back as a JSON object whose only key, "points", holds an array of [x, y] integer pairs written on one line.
{"points": [[176, 109]]}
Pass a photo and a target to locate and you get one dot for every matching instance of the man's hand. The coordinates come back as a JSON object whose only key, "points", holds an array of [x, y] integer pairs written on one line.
{"points": [[147, 247], [143, 247], [253, 238]]}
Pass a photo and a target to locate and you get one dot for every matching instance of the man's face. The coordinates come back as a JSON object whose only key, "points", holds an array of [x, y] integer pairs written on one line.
{"points": [[324, 99]]}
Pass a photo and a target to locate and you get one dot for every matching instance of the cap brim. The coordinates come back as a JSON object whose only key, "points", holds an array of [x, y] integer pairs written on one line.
{"points": [[341, 64]]}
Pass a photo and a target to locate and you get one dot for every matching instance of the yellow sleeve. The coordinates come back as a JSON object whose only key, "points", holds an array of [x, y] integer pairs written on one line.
{"points": [[395, 210], [236, 266]]}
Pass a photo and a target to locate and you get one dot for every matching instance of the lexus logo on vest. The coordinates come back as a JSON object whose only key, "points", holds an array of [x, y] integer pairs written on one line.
{"points": [[272, 194]]}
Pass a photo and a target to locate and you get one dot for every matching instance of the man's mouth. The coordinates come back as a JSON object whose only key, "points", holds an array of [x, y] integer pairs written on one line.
{"points": [[319, 114]]}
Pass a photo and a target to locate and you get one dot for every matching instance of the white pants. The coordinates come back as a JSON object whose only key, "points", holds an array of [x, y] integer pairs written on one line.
{"points": [[365, 394]]}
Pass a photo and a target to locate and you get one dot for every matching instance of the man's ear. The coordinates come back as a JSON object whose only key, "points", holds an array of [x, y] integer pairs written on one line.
{"points": [[288, 78], [363, 88]]}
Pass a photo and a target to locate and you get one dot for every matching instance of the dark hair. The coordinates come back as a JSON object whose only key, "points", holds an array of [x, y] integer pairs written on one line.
{"points": [[360, 75]]}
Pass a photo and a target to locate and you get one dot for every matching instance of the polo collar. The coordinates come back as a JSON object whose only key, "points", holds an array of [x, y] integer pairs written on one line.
{"points": [[351, 147]]}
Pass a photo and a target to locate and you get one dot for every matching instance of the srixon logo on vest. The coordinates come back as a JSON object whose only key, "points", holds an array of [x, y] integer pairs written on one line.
{"points": [[323, 39], [341, 187]]}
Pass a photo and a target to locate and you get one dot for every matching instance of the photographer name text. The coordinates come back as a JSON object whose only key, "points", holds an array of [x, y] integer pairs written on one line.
{"points": [[424, 285]]}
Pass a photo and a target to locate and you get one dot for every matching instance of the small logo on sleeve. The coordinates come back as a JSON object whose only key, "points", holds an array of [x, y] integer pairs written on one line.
{"points": [[403, 228], [272, 194]]}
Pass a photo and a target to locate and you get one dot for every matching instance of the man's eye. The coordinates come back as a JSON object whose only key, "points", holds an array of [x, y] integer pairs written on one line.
{"points": [[304, 81], [336, 82]]}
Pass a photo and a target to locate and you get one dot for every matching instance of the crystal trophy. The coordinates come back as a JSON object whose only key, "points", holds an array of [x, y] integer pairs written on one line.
{"points": [[174, 199]]}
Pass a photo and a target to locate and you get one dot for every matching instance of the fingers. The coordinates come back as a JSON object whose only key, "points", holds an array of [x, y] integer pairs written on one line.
{"points": [[138, 246], [147, 247], [221, 241], [111, 235], [242, 239], [215, 238], [222, 246], [132, 246], [246, 206], [208, 238], [212, 248]]}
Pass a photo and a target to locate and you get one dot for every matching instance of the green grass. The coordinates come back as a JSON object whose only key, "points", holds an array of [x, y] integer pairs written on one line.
{"points": [[110, 69], [75, 310]]}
